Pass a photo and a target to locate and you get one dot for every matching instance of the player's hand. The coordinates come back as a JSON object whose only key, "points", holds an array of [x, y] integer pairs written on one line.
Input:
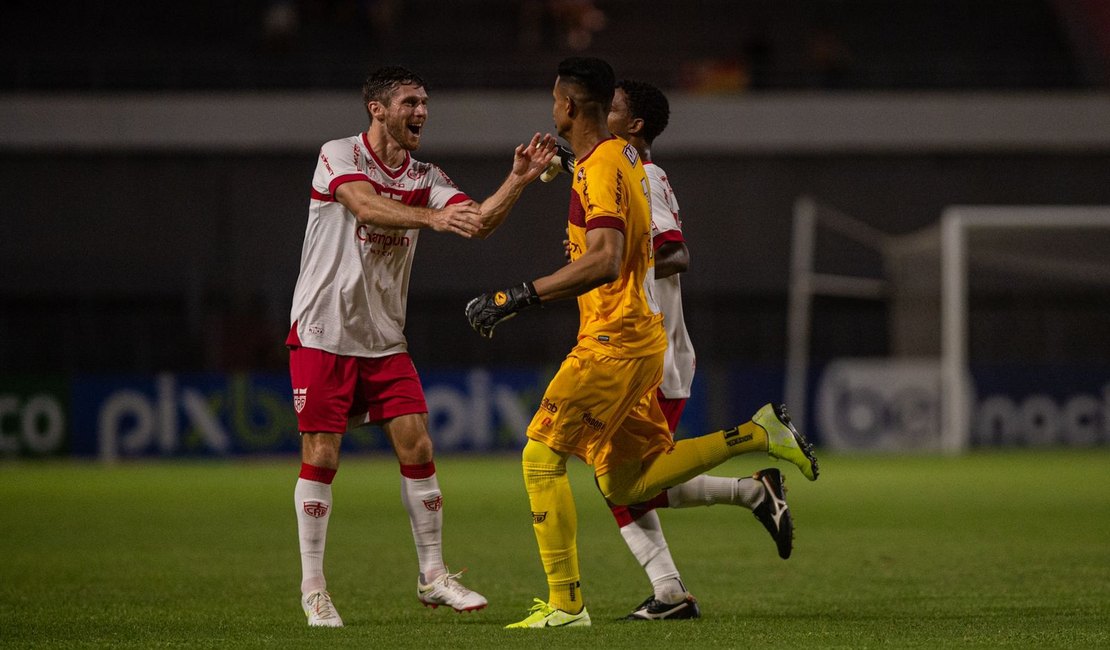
{"points": [[566, 250], [463, 219], [489, 309], [562, 161], [530, 160]]}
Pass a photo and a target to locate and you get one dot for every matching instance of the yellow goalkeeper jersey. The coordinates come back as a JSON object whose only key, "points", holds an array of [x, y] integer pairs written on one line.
{"points": [[610, 190]]}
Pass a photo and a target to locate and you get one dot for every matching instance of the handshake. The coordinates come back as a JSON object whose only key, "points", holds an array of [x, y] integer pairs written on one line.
{"points": [[489, 309]]}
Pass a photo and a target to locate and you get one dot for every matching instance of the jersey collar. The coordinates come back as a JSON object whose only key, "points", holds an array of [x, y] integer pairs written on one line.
{"points": [[381, 165]]}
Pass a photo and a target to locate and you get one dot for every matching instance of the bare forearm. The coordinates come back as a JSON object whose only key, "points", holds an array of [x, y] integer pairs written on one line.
{"points": [[371, 208], [500, 203], [584, 274]]}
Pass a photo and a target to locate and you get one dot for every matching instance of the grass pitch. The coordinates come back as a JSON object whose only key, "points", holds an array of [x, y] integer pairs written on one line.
{"points": [[992, 549]]}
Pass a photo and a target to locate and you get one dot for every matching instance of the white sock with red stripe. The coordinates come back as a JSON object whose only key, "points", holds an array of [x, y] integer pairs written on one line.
{"points": [[312, 497], [421, 497], [644, 536], [705, 490]]}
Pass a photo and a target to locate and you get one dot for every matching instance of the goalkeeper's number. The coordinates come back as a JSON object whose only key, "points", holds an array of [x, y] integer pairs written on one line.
{"points": [[489, 309]]}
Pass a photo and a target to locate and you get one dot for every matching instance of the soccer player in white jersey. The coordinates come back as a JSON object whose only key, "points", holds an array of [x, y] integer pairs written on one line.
{"points": [[639, 113], [349, 362]]}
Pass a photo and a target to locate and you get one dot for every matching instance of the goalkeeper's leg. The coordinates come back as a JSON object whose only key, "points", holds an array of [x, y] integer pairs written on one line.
{"points": [[630, 481], [555, 522]]}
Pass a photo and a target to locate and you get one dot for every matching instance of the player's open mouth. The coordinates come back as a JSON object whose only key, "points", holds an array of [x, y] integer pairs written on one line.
{"points": [[415, 128]]}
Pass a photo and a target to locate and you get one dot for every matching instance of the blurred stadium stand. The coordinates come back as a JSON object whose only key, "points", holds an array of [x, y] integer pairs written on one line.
{"points": [[129, 259], [715, 45]]}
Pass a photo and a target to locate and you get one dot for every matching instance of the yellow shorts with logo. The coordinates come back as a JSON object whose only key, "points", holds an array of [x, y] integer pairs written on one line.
{"points": [[603, 410]]}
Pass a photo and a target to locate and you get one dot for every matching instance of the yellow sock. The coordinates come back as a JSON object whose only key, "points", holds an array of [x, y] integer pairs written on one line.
{"points": [[687, 459], [555, 522]]}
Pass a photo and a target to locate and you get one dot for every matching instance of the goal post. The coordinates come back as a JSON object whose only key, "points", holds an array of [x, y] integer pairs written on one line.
{"points": [[957, 223], [997, 261]]}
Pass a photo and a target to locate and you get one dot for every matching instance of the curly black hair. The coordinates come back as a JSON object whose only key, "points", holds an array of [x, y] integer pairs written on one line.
{"points": [[648, 103]]}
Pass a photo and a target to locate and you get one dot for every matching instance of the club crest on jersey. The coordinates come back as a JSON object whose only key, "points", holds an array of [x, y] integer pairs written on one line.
{"points": [[500, 298], [539, 517], [315, 509], [631, 153], [434, 504], [300, 397]]}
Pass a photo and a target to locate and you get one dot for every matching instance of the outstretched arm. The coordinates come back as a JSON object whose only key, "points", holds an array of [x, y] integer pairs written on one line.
{"points": [[463, 219], [529, 161]]}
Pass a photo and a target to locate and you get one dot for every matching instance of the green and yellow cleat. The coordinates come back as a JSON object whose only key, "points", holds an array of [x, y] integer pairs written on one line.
{"points": [[543, 615], [783, 440]]}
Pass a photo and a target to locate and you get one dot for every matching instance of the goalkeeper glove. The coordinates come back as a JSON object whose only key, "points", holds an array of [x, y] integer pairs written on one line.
{"points": [[562, 162], [489, 309]]}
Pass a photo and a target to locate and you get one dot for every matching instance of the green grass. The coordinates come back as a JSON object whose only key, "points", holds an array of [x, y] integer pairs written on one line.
{"points": [[991, 549]]}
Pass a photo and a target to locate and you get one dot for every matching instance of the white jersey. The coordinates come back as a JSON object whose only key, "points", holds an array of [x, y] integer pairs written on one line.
{"points": [[678, 364], [353, 285]]}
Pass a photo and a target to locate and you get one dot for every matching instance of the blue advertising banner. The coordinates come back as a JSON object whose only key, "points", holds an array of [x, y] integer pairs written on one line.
{"points": [[218, 415], [34, 416], [857, 404]]}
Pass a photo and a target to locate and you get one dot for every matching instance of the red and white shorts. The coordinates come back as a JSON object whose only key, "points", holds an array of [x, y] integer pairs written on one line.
{"points": [[332, 392], [672, 409]]}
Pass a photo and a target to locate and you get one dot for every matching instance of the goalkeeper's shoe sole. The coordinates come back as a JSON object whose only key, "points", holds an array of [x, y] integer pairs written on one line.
{"points": [[784, 441], [773, 512], [320, 610], [653, 609]]}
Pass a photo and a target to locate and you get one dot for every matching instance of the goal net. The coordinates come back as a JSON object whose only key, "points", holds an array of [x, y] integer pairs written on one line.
{"points": [[997, 323]]}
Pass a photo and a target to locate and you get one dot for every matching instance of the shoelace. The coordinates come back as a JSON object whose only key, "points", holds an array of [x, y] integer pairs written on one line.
{"points": [[449, 581], [540, 606], [321, 606]]}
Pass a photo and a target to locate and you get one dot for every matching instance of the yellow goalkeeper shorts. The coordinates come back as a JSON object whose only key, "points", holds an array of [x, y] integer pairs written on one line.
{"points": [[603, 410]]}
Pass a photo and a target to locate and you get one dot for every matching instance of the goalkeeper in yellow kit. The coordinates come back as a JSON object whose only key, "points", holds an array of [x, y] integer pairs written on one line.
{"points": [[601, 405]]}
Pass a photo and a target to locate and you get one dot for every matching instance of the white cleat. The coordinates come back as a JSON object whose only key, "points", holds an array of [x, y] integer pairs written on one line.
{"points": [[447, 590], [320, 610]]}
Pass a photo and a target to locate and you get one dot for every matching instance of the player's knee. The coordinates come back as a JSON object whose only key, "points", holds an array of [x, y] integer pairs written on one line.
{"points": [[321, 449], [614, 492], [540, 454], [414, 450]]}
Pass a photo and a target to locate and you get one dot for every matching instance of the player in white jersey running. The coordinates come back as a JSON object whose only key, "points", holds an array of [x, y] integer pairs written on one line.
{"points": [[639, 113], [348, 362]]}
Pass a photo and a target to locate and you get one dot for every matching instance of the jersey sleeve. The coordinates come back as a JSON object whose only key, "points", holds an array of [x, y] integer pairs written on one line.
{"points": [[339, 162], [444, 192], [605, 192], [665, 224]]}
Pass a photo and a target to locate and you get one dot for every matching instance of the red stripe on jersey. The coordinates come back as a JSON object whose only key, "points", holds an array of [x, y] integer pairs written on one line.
{"points": [[605, 222], [345, 178], [418, 198], [576, 214], [458, 198], [319, 196], [385, 168], [666, 236]]}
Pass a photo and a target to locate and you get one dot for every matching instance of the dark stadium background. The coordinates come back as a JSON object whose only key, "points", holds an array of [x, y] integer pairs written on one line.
{"points": [[128, 256]]}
